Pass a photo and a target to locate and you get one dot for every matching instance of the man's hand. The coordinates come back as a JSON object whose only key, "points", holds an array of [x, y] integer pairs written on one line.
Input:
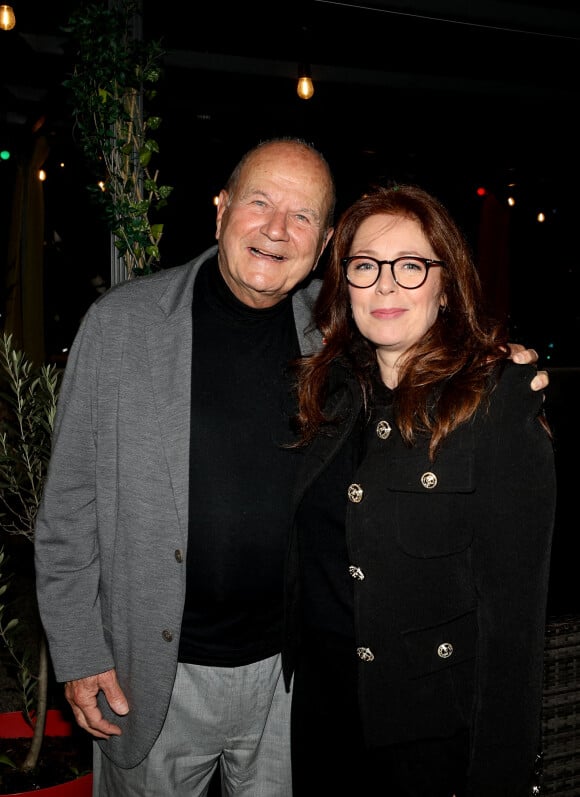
{"points": [[521, 355], [82, 696]]}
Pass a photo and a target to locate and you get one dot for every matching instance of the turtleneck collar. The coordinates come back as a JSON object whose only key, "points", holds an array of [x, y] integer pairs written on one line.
{"points": [[220, 298]]}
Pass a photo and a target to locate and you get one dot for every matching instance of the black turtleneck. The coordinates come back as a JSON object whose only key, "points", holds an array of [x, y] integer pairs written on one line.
{"points": [[241, 477]]}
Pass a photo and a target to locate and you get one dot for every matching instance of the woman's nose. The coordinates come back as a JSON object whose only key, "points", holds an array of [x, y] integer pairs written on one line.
{"points": [[386, 282]]}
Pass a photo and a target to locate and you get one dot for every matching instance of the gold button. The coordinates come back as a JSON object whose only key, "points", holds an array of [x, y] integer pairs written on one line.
{"points": [[167, 635], [355, 493], [365, 654], [429, 480], [445, 650], [179, 556], [383, 429]]}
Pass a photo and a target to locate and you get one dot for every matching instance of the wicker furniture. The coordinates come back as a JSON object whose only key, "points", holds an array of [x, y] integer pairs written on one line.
{"points": [[560, 765]]}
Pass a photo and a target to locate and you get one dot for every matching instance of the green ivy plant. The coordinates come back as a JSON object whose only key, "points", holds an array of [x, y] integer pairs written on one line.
{"points": [[28, 397], [111, 89]]}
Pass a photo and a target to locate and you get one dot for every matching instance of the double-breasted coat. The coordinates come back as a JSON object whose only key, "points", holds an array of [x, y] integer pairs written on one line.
{"points": [[449, 562]]}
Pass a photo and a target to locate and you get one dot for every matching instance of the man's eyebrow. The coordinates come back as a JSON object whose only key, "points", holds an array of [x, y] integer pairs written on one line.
{"points": [[260, 192], [250, 191]]}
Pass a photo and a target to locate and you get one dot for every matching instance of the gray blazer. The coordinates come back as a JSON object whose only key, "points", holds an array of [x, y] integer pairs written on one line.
{"points": [[111, 533]]}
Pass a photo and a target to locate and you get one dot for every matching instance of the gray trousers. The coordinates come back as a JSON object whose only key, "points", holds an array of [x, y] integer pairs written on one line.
{"points": [[237, 718]]}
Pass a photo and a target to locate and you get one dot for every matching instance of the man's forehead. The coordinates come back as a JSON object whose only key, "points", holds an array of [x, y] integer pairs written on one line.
{"points": [[286, 176], [284, 161]]}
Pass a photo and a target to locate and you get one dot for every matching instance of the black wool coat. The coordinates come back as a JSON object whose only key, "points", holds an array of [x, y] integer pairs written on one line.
{"points": [[450, 566]]}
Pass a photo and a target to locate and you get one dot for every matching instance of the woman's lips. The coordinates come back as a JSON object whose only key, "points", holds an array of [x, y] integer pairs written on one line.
{"points": [[388, 313]]}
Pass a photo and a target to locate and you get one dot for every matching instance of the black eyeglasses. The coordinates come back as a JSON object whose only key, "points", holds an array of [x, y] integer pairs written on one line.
{"points": [[408, 272]]}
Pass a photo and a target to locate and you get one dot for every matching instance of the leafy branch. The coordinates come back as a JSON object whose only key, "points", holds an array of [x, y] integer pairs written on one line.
{"points": [[30, 397], [15, 641], [111, 87]]}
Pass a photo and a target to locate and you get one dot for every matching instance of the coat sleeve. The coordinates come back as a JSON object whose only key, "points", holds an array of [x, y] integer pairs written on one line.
{"points": [[511, 557], [66, 544]]}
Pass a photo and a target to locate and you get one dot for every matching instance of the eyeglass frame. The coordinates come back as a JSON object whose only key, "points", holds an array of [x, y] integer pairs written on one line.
{"points": [[428, 262]]}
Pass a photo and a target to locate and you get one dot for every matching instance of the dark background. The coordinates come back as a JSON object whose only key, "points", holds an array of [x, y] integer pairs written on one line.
{"points": [[449, 94]]}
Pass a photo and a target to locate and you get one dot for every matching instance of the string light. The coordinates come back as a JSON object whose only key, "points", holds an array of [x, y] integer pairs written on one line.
{"points": [[7, 17], [305, 87]]}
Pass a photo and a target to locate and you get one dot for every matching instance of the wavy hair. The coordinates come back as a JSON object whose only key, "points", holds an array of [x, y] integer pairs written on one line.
{"points": [[446, 374]]}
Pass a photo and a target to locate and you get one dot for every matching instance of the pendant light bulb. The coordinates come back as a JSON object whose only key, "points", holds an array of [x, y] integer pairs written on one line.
{"points": [[305, 88], [7, 18]]}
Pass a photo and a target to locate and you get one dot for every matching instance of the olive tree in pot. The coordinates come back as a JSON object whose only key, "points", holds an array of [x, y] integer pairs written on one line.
{"points": [[28, 403]]}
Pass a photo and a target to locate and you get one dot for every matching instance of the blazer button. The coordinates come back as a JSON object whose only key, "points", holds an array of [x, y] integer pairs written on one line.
{"points": [[429, 480], [445, 650], [167, 635], [179, 556], [355, 493], [383, 429], [365, 654], [356, 572]]}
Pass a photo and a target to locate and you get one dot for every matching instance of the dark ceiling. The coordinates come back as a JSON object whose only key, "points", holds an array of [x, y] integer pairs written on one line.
{"points": [[448, 93], [442, 63], [436, 90]]}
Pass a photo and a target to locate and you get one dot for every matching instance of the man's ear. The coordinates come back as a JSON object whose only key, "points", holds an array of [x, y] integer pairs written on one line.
{"points": [[327, 236], [222, 203]]}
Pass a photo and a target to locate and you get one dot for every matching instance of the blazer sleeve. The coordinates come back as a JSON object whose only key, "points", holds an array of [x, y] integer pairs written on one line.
{"points": [[66, 546], [516, 487]]}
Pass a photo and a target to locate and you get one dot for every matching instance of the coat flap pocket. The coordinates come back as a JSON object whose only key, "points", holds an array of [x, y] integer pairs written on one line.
{"points": [[443, 645]]}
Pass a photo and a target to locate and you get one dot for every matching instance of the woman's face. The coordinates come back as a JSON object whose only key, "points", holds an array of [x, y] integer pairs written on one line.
{"points": [[392, 317]]}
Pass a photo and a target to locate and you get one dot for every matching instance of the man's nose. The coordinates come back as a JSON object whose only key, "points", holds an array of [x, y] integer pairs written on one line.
{"points": [[276, 225]]}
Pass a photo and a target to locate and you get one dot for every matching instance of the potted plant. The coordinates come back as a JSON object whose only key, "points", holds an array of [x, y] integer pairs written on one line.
{"points": [[111, 83], [28, 401]]}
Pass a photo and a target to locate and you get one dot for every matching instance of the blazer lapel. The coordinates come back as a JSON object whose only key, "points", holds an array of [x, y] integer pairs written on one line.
{"points": [[170, 357], [169, 343]]}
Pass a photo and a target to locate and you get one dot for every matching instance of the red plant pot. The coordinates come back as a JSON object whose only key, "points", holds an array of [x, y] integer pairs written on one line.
{"points": [[14, 726]]}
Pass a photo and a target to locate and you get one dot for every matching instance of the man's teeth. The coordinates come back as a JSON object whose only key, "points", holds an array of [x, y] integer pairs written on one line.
{"points": [[267, 254]]}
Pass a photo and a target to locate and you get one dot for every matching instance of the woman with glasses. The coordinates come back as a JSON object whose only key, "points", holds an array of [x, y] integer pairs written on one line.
{"points": [[418, 569]]}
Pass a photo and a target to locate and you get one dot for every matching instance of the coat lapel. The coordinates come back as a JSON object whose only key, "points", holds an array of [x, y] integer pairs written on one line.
{"points": [[169, 343], [170, 357]]}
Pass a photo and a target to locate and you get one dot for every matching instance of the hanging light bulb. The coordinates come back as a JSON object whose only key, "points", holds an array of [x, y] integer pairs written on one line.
{"points": [[304, 88], [7, 18]]}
